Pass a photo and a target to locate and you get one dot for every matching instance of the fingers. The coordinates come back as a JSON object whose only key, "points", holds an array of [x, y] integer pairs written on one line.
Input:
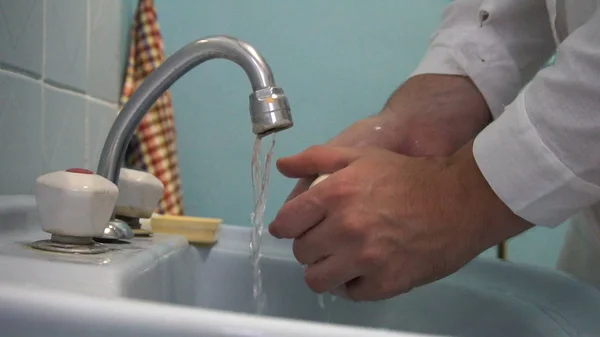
{"points": [[340, 291], [329, 274], [301, 186], [360, 289], [302, 211], [305, 184], [297, 216], [372, 288], [315, 244], [316, 160]]}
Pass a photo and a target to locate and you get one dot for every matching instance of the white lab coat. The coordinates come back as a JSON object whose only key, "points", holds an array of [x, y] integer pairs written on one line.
{"points": [[541, 155]]}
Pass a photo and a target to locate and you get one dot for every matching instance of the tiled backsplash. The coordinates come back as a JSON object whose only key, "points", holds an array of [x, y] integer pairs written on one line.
{"points": [[61, 65]]}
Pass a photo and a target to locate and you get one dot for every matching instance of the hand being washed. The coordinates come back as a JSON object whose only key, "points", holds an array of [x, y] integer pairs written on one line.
{"points": [[384, 223], [429, 115]]}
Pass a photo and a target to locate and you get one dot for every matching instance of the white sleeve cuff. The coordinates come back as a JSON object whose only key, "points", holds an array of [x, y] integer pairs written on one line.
{"points": [[479, 54], [438, 60], [525, 174]]}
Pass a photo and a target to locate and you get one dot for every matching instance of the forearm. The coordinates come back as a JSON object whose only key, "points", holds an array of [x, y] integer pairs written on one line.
{"points": [[440, 113], [429, 115], [472, 69]]}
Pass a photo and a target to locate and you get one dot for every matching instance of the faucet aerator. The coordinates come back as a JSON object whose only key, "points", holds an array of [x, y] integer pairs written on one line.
{"points": [[269, 111], [272, 122]]}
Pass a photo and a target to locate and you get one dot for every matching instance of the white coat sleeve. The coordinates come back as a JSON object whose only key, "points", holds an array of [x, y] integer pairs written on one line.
{"points": [[499, 44], [542, 156]]}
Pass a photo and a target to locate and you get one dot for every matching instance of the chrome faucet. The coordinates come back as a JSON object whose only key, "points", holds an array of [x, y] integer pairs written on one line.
{"points": [[269, 107]]}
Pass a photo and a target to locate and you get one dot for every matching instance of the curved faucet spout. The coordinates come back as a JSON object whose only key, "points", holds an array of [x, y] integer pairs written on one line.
{"points": [[269, 107]]}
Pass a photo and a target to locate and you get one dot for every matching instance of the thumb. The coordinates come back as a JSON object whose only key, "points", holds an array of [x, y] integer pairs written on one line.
{"points": [[317, 160]]}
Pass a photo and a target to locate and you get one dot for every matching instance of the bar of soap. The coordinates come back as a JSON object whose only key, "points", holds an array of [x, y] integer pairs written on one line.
{"points": [[197, 230], [318, 180]]}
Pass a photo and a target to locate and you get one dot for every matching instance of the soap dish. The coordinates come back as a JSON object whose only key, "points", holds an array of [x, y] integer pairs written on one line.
{"points": [[197, 230]]}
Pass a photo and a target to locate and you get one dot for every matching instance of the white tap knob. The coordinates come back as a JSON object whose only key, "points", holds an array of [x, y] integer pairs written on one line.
{"points": [[139, 193], [75, 202]]}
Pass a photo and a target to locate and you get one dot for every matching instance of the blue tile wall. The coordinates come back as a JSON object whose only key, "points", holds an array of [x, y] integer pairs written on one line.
{"points": [[21, 35], [20, 133], [100, 117], [66, 43], [63, 129], [106, 51], [61, 67]]}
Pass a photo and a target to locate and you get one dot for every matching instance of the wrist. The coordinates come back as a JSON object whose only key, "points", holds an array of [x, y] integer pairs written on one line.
{"points": [[494, 220], [439, 114]]}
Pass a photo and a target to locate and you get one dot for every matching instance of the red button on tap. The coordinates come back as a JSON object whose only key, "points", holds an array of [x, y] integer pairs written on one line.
{"points": [[80, 170]]}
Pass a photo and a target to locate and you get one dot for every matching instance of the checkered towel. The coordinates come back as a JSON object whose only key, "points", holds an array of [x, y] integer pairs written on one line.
{"points": [[153, 148]]}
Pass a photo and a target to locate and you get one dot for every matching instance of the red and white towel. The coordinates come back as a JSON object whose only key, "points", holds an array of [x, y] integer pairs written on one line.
{"points": [[153, 148]]}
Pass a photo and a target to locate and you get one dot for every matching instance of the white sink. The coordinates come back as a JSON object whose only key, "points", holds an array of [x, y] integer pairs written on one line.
{"points": [[486, 298], [138, 269], [162, 286]]}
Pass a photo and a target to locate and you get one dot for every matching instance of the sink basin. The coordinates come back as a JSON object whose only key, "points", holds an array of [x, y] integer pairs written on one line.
{"points": [[486, 298], [163, 286]]}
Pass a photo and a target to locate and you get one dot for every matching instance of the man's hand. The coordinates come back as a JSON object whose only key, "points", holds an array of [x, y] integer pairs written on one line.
{"points": [[429, 115], [383, 223]]}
